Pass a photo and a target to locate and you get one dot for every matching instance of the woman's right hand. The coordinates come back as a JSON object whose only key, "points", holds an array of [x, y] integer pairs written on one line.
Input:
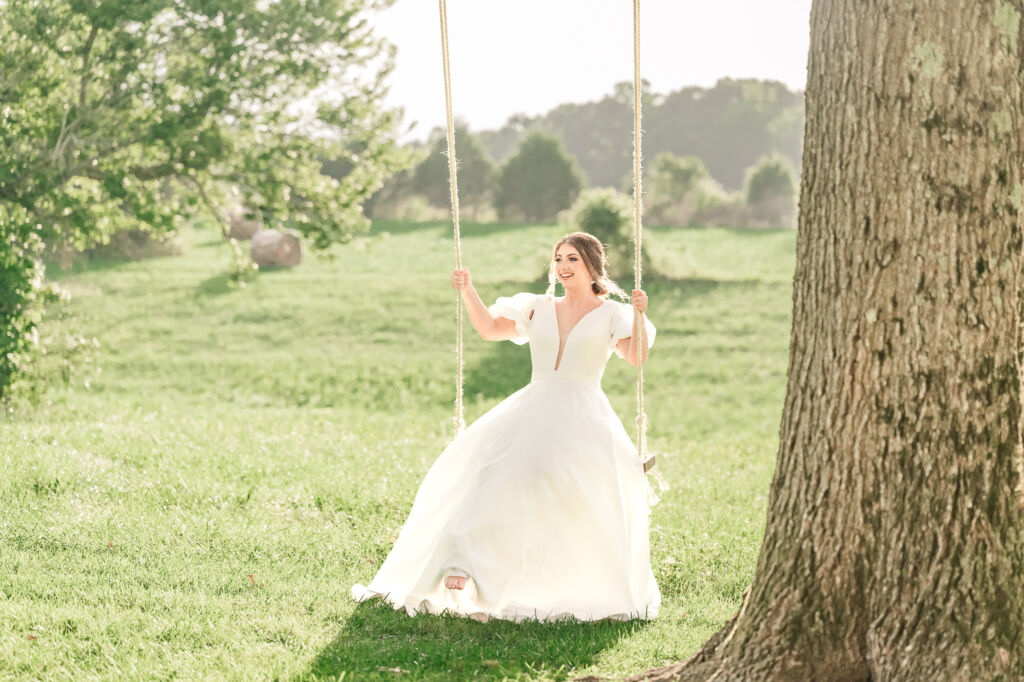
{"points": [[461, 279]]}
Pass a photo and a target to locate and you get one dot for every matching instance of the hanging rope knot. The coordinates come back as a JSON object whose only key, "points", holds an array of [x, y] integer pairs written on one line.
{"points": [[662, 483]]}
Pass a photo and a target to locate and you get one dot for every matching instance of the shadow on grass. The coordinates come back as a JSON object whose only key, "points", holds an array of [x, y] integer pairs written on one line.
{"points": [[217, 285], [377, 642]]}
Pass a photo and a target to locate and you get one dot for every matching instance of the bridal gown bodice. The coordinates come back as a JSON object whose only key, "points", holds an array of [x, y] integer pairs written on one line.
{"points": [[587, 345], [541, 502]]}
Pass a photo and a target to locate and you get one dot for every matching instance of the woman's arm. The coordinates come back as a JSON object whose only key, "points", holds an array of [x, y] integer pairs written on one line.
{"points": [[489, 328], [628, 347]]}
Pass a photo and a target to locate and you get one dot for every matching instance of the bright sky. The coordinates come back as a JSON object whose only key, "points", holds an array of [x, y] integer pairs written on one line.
{"points": [[528, 56]]}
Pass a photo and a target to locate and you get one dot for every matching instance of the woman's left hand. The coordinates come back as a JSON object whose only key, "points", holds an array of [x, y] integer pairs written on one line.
{"points": [[639, 300]]}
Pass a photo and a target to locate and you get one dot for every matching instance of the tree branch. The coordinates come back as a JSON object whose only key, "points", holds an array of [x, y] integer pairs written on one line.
{"points": [[86, 75]]}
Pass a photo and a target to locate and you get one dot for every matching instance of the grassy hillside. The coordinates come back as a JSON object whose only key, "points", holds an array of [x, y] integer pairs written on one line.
{"points": [[246, 455]]}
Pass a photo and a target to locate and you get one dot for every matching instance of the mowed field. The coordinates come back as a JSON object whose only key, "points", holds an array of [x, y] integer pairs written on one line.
{"points": [[202, 507]]}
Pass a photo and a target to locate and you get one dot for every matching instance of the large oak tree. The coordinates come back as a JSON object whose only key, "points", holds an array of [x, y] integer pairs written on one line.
{"points": [[894, 543]]}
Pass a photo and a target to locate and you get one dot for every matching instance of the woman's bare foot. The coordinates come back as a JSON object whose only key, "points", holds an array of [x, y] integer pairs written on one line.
{"points": [[455, 582]]}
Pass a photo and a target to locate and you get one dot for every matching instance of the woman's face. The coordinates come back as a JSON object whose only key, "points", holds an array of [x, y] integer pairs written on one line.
{"points": [[569, 267]]}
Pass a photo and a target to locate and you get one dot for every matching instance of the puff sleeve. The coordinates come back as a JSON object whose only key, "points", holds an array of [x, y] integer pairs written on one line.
{"points": [[622, 327], [516, 308]]}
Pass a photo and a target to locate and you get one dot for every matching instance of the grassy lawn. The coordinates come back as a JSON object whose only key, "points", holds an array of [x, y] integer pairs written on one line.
{"points": [[202, 508]]}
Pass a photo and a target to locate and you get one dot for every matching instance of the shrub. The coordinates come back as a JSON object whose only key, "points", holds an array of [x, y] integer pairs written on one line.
{"points": [[608, 215], [679, 191], [771, 193], [728, 211], [32, 357]]}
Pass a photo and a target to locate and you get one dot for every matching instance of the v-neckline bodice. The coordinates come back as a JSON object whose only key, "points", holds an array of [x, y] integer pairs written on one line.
{"points": [[563, 343]]}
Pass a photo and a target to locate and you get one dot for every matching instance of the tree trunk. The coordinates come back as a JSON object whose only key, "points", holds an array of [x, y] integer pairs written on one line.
{"points": [[894, 544]]}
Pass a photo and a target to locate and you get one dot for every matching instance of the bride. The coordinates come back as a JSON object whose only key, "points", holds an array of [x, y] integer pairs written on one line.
{"points": [[539, 509]]}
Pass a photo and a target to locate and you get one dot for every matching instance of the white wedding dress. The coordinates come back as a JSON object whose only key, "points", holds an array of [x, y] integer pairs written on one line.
{"points": [[542, 502]]}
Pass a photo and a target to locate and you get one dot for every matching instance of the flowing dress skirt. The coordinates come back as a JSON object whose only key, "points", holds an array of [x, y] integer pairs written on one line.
{"points": [[542, 503]]}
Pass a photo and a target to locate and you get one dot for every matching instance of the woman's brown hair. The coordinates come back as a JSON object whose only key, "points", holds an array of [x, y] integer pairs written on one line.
{"points": [[592, 252]]}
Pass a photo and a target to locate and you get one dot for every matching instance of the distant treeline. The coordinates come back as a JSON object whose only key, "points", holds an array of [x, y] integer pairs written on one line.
{"points": [[728, 127], [725, 155]]}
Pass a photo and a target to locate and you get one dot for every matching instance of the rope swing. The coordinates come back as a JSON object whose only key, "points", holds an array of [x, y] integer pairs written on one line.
{"points": [[638, 324], [453, 184], [641, 418]]}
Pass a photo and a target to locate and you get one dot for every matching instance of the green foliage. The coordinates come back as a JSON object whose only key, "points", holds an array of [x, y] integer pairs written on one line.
{"points": [[539, 181], [268, 433], [604, 213], [771, 192], [21, 298], [33, 358], [123, 113], [476, 172]]}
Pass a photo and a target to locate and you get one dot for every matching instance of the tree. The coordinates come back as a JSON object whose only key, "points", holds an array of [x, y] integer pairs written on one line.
{"points": [[539, 181], [677, 188], [894, 543], [475, 168], [120, 113], [771, 192]]}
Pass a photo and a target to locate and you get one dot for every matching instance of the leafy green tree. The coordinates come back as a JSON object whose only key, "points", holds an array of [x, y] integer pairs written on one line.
{"points": [[121, 113], [771, 192], [475, 168], [539, 181]]}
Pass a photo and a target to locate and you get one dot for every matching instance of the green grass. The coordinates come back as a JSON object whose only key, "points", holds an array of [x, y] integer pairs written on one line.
{"points": [[246, 455]]}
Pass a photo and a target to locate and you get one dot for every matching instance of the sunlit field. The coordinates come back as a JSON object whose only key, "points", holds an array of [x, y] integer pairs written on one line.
{"points": [[202, 507]]}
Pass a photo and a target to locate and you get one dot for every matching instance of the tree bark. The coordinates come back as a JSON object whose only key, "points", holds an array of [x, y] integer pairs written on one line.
{"points": [[894, 543]]}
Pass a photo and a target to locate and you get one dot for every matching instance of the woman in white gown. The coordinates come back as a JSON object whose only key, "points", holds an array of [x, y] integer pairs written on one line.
{"points": [[539, 509]]}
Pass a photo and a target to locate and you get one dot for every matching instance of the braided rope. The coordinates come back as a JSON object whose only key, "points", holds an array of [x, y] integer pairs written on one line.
{"points": [[453, 184], [641, 340]]}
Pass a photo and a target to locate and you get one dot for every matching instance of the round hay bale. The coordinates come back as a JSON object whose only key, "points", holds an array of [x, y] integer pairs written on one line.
{"points": [[243, 224], [272, 248]]}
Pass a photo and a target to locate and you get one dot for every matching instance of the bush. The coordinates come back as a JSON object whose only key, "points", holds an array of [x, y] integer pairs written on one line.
{"points": [[728, 211], [771, 193], [538, 182], [679, 191], [22, 297], [32, 357], [55, 359], [608, 215]]}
